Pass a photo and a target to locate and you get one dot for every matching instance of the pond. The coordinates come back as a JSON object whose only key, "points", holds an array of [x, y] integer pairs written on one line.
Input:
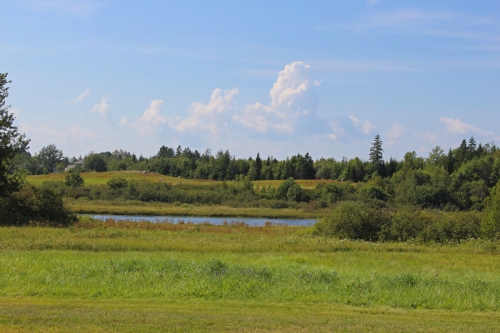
{"points": [[252, 222]]}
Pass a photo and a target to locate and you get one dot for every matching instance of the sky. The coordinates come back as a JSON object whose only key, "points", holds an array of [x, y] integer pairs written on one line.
{"points": [[274, 77]]}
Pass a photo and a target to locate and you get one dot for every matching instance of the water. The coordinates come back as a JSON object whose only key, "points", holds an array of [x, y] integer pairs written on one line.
{"points": [[253, 222]]}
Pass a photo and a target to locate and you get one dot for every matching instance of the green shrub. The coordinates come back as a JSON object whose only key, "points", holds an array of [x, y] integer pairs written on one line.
{"points": [[290, 190], [73, 178], [407, 223], [117, 182], [490, 224], [32, 204], [353, 220], [454, 226]]}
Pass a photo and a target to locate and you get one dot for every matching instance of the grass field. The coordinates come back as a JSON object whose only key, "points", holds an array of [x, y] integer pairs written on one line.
{"points": [[145, 277], [92, 178]]}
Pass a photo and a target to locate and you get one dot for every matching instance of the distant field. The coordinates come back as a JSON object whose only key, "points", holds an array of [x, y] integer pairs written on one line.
{"points": [[102, 177]]}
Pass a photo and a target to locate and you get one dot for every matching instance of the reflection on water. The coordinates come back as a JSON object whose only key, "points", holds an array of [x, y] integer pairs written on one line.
{"points": [[252, 222]]}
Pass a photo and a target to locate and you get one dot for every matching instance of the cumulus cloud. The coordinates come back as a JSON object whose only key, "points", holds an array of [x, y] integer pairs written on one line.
{"points": [[365, 126], [291, 98], [79, 98], [262, 117], [457, 126], [102, 107], [396, 131], [123, 121], [150, 119], [211, 116]]}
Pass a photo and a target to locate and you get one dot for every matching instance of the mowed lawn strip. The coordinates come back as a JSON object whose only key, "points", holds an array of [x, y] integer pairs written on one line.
{"points": [[139, 315]]}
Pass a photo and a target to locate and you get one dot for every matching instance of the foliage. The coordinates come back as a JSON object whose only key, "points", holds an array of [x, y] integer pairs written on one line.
{"points": [[73, 178], [376, 157], [117, 182], [491, 220], [32, 204], [94, 162], [49, 157], [11, 143], [352, 220], [289, 190]]}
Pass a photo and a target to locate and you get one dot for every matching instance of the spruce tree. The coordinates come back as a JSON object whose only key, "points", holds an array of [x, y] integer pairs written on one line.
{"points": [[376, 157]]}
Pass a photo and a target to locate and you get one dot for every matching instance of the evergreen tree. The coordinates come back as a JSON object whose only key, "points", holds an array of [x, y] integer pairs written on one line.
{"points": [[258, 166], [376, 157], [11, 141]]}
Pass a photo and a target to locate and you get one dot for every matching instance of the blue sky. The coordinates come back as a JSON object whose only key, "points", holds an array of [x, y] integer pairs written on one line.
{"points": [[275, 77]]}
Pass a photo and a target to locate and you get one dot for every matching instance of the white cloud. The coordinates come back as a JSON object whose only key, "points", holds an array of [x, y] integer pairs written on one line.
{"points": [[457, 126], [366, 127], [262, 117], [123, 121], [290, 98], [102, 107], [211, 116], [79, 98], [150, 119], [396, 131]]}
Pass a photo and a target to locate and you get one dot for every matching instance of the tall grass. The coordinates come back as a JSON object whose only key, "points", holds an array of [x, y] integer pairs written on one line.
{"points": [[270, 278], [82, 206], [116, 259]]}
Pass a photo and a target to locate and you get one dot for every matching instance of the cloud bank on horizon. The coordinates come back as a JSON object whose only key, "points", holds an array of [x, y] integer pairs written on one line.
{"points": [[288, 117]]}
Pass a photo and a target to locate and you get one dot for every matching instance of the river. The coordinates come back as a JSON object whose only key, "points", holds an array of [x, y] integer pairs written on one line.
{"points": [[252, 222]]}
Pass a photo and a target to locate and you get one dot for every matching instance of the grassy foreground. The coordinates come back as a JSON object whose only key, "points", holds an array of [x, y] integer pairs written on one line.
{"points": [[144, 277]]}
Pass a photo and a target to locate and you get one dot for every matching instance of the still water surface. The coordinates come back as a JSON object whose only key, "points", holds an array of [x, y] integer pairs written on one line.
{"points": [[252, 222]]}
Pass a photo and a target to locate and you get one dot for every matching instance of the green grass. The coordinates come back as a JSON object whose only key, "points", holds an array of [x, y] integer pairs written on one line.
{"points": [[145, 277], [93, 178], [49, 315]]}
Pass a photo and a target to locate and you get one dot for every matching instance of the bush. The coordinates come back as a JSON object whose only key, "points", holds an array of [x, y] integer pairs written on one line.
{"points": [[350, 219], [454, 227], [32, 204], [290, 190], [407, 223], [490, 224], [73, 178], [117, 182]]}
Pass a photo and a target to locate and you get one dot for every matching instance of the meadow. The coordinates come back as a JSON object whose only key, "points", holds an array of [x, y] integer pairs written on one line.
{"points": [[101, 178], [145, 277]]}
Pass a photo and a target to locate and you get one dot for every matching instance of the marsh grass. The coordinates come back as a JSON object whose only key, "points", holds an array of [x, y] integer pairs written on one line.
{"points": [[133, 207]]}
